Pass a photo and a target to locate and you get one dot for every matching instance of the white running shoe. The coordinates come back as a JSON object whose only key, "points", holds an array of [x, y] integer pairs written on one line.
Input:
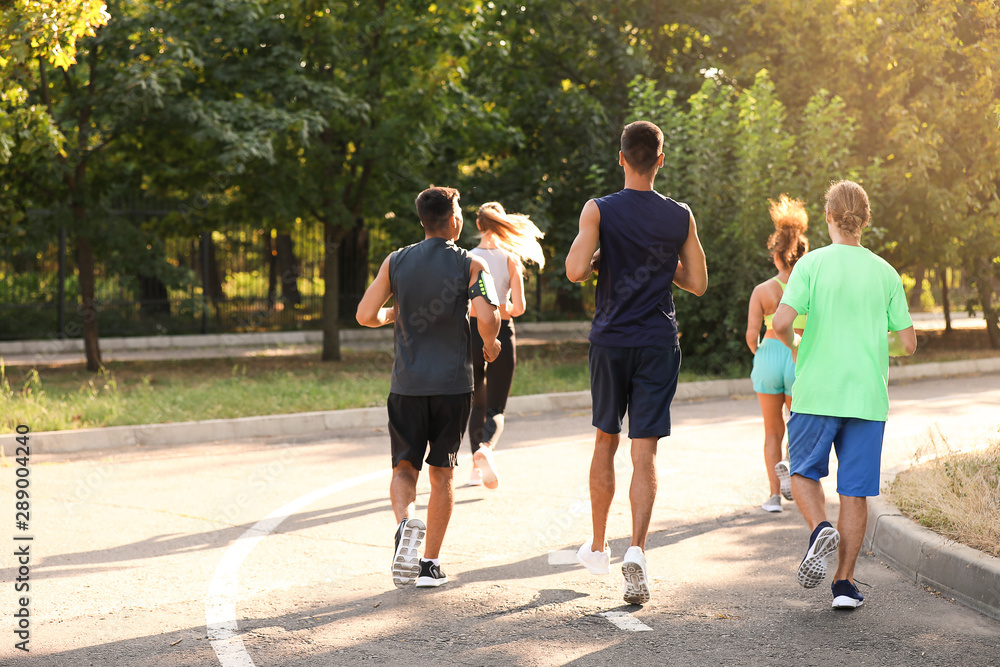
{"points": [[636, 577], [781, 469], [598, 562], [476, 478], [772, 504], [484, 461]]}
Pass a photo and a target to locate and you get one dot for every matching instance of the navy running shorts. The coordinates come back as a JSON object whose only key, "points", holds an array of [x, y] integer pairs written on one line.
{"points": [[640, 381]]}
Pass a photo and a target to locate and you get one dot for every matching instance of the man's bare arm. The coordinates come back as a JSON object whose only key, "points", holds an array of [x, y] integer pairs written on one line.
{"points": [[581, 253], [692, 270], [370, 310]]}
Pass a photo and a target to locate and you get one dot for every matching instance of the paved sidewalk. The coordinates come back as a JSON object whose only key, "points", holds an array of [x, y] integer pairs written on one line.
{"points": [[967, 575]]}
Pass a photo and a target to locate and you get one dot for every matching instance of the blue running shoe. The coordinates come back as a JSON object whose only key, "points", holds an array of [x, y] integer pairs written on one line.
{"points": [[846, 595], [823, 542]]}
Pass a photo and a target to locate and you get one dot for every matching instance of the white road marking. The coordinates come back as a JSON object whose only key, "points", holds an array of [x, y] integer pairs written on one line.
{"points": [[223, 590], [625, 621], [562, 558]]}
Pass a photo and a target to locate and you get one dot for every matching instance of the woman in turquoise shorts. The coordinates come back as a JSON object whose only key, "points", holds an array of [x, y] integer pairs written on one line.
{"points": [[773, 369]]}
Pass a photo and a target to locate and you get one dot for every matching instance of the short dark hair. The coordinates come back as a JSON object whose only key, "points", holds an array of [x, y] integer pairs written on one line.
{"points": [[642, 143], [435, 207]]}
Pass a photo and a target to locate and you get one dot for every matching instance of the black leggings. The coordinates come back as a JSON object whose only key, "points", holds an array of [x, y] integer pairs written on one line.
{"points": [[492, 385]]}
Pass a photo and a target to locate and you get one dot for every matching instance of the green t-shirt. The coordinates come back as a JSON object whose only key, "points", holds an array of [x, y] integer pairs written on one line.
{"points": [[854, 298]]}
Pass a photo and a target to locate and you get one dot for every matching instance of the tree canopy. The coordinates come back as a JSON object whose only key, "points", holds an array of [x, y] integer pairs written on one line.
{"points": [[272, 111]]}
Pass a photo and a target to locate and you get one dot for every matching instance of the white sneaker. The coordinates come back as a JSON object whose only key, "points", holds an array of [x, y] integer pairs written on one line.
{"points": [[772, 504], [782, 470], [598, 562], [476, 478], [636, 578], [484, 461]]}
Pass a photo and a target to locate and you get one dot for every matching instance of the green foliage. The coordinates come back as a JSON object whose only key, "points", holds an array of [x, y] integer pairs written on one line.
{"points": [[726, 154]]}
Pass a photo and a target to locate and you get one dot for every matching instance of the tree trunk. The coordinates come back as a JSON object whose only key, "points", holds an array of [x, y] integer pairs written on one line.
{"points": [[272, 272], [984, 287], [569, 300], [353, 268], [332, 236], [212, 282], [945, 301], [153, 296], [85, 264], [918, 288], [288, 269]]}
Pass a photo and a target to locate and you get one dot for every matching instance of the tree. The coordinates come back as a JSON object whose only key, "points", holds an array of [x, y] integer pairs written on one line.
{"points": [[921, 80], [384, 78], [149, 93]]}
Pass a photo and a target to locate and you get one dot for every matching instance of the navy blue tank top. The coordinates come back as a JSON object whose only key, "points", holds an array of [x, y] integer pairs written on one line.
{"points": [[641, 235], [432, 344]]}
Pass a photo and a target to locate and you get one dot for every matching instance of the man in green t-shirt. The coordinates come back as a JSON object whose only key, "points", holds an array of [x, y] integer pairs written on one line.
{"points": [[858, 318]]}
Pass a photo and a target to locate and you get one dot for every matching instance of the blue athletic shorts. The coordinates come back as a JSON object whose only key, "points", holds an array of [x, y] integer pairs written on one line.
{"points": [[638, 380], [773, 369], [858, 443]]}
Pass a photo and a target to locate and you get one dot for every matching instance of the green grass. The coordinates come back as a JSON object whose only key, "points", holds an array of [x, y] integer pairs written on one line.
{"points": [[55, 398]]}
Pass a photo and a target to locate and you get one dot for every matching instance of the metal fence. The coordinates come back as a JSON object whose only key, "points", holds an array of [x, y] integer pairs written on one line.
{"points": [[247, 279]]}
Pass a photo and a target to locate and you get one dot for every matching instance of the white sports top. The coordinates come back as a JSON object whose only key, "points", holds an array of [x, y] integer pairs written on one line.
{"points": [[497, 261]]}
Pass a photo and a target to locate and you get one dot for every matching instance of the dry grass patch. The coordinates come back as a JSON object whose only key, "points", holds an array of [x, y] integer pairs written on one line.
{"points": [[956, 495]]}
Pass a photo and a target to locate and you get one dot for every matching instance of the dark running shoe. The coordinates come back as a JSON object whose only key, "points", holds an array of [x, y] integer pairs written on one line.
{"points": [[405, 561], [431, 575], [846, 595], [823, 542]]}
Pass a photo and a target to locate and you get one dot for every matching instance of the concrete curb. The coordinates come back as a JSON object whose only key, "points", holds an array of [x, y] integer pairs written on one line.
{"points": [[308, 423], [969, 576], [363, 419]]}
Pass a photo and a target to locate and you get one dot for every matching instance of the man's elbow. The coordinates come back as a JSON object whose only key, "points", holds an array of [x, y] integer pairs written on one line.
{"points": [[699, 287]]}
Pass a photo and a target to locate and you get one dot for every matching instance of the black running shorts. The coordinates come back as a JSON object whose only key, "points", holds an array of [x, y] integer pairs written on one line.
{"points": [[415, 421]]}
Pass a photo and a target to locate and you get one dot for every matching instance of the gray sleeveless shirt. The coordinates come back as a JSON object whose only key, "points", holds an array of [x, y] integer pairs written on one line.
{"points": [[433, 353]]}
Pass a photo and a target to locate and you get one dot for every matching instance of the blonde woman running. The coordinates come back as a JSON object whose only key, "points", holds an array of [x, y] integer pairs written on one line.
{"points": [[507, 241], [773, 369]]}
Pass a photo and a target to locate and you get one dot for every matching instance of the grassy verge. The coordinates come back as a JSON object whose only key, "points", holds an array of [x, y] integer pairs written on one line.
{"points": [[53, 398], [955, 495], [153, 392]]}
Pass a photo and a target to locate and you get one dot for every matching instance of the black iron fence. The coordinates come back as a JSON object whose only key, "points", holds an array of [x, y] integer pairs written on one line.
{"points": [[244, 279]]}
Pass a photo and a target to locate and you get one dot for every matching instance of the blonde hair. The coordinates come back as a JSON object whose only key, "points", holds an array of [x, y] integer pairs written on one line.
{"points": [[513, 233], [847, 203], [788, 242]]}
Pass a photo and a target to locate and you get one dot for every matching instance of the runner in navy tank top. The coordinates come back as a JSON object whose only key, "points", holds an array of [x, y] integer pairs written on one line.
{"points": [[641, 243]]}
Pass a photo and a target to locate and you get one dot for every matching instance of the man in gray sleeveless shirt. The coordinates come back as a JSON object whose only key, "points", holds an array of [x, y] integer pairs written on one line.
{"points": [[431, 284]]}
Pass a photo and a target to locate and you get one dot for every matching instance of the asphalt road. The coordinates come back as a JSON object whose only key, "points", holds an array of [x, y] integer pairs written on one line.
{"points": [[277, 553]]}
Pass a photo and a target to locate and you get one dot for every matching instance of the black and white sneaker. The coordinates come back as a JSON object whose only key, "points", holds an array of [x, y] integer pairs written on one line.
{"points": [[824, 541], [430, 575], [846, 595], [405, 561]]}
